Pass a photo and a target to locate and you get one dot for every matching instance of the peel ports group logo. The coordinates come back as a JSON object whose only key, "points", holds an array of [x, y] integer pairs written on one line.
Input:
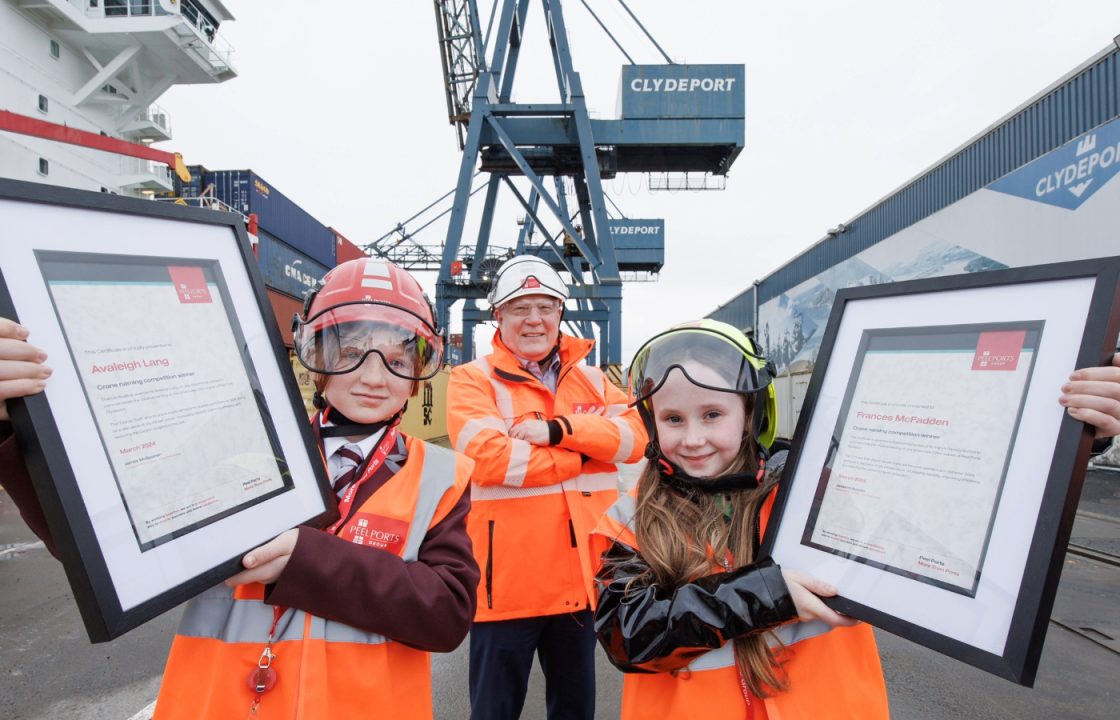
{"points": [[999, 350], [377, 531], [190, 284]]}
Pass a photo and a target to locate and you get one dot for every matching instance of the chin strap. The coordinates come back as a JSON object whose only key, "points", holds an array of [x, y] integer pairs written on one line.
{"points": [[344, 426], [689, 486]]}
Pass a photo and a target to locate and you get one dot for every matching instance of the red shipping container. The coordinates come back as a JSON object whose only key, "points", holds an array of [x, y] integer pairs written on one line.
{"points": [[284, 307], [344, 249]]}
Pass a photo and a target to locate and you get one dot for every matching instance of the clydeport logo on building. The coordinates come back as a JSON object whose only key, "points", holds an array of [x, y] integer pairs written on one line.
{"points": [[1070, 175]]}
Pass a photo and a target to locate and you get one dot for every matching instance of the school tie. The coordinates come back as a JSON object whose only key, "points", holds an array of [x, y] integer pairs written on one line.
{"points": [[349, 458]]}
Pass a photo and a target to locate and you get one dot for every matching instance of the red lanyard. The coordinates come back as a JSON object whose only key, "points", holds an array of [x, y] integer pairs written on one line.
{"points": [[376, 459]]}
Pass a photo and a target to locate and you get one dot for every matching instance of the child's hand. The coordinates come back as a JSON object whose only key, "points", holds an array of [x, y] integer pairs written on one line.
{"points": [[22, 371], [534, 432], [805, 591], [265, 564], [1093, 396]]}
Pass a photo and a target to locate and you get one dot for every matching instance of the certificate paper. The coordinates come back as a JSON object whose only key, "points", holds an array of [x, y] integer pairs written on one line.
{"points": [[918, 459], [159, 356]]}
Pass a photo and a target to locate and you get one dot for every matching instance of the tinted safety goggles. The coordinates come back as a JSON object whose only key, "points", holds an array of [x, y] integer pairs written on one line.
{"points": [[708, 358], [339, 339]]}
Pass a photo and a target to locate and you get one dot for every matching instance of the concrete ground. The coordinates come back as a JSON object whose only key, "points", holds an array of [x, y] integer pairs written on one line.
{"points": [[48, 669]]}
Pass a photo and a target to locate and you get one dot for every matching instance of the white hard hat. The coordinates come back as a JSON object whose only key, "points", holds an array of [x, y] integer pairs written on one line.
{"points": [[525, 275]]}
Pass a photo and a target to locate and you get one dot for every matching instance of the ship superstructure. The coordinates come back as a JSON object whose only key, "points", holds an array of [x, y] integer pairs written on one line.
{"points": [[99, 66]]}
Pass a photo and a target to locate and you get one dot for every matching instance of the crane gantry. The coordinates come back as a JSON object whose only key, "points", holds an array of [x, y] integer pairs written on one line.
{"points": [[675, 118]]}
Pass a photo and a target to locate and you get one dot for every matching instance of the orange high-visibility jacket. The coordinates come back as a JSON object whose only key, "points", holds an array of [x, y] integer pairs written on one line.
{"points": [[534, 507], [325, 669], [832, 674]]}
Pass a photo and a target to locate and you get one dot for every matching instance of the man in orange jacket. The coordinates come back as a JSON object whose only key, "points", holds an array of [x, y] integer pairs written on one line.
{"points": [[545, 431]]}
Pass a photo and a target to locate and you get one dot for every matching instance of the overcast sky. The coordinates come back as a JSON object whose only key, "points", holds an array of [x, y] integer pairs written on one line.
{"points": [[340, 106]]}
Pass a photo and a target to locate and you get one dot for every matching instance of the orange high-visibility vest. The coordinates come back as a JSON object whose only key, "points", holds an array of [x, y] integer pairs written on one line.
{"points": [[831, 674], [533, 507], [325, 669]]}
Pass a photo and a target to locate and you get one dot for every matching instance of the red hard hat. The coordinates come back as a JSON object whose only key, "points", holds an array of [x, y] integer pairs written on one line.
{"points": [[363, 291], [371, 280]]}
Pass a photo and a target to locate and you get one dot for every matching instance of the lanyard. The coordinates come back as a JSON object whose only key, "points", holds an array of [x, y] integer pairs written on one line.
{"points": [[377, 457], [263, 677]]}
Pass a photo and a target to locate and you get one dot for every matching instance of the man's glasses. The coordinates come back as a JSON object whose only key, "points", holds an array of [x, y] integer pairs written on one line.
{"points": [[522, 310]]}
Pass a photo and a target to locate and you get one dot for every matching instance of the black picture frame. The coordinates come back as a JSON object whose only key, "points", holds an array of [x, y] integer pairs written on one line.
{"points": [[995, 620], [121, 571]]}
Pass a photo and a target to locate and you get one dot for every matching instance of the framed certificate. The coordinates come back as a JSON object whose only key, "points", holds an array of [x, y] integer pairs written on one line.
{"points": [[933, 476], [171, 438]]}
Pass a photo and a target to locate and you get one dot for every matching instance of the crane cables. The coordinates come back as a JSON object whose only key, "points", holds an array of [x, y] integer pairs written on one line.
{"points": [[637, 22]]}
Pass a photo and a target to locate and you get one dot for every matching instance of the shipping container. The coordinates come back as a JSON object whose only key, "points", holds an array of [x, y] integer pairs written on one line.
{"points": [[344, 250], [285, 268], [426, 414], [284, 307], [246, 192]]}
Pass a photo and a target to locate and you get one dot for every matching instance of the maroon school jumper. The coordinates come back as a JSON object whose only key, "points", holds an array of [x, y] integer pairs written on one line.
{"points": [[427, 604]]}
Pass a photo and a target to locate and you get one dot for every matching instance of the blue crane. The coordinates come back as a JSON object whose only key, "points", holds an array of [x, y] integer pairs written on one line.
{"points": [[675, 119]]}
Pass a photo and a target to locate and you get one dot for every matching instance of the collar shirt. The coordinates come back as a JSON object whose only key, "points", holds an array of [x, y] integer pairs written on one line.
{"points": [[367, 444], [547, 371]]}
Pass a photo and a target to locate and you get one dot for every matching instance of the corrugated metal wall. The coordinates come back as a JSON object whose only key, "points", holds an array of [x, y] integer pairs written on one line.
{"points": [[739, 311], [1087, 99]]}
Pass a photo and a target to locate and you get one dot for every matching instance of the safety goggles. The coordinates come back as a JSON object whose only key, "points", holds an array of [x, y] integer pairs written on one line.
{"points": [[708, 358], [339, 339]]}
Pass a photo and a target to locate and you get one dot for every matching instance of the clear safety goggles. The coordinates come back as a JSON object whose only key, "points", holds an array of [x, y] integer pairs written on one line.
{"points": [[339, 339], [707, 358]]}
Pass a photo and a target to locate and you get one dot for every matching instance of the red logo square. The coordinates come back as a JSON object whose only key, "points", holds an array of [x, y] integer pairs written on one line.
{"points": [[377, 531], [190, 284], [999, 350]]}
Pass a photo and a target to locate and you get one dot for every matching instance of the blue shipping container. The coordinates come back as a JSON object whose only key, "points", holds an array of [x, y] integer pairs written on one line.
{"points": [[246, 192], [286, 269]]}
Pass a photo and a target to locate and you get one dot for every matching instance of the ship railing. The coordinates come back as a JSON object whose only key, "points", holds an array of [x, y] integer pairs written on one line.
{"points": [[120, 8], [197, 17], [206, 201], [158, 117], [189, 10]]}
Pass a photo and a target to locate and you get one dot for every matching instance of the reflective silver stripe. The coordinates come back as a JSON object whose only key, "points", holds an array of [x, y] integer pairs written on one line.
{"points": [[623, 510], [332, 631], [473, 427], [215, 614], [436, 478], [616, 410], [597, 482], [519, 452], [791, 633], [503, 399], [715, 659], [482, 493], [785, 635], [625, 440]]}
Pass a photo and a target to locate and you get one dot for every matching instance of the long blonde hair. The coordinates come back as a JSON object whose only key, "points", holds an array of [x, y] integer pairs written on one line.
{"points": [[681, 537]]}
